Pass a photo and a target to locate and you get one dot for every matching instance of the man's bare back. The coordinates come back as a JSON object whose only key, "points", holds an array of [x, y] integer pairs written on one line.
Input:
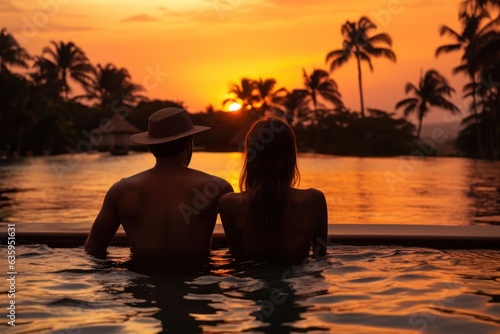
{"points": [[173, 208], [169, 209]]}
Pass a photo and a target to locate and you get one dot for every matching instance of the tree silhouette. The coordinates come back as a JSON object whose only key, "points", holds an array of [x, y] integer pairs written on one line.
{"points": [[486, 121], [474, 6], [244, 94], [319, 85], [358, 44], [432, 90], [68, 61], [469, 41], [292, 105], [111, 85], [46, 77], [267, 96], [15, 114], [11, 53]]}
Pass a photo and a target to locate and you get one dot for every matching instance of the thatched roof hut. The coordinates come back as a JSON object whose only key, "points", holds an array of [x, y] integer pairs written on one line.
{"points": [[117, 140]]}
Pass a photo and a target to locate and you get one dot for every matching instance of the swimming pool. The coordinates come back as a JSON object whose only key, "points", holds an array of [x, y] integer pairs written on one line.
{"points": [[356, 289]]}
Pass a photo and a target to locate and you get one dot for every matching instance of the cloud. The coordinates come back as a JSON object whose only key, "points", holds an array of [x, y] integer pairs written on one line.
{"points": [[140, 18], [164, 9], [60, 27]]}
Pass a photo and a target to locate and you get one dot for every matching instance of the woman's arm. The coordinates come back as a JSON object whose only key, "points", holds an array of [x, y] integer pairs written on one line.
{"points": [[227, 208], [320, 239]]}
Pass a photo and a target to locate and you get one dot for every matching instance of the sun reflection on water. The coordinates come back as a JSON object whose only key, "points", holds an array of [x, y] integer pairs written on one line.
{"points": [[438, 191]]}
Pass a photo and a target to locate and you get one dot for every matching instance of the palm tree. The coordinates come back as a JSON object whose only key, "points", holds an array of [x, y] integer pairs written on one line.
{"points": [[46, 77], [489, 116], [432, 90], [472, 6], [267, 96], [292, 104], [16, 114], [319, 85], [112, 84], [244, 94], [487, 120], [69, 61], [357, 43], [11, 53], [469, 40]]}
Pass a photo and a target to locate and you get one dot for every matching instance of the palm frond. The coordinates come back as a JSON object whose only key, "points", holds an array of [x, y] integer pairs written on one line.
{"points": [[347, 28], [382, 52], [338, 62], [341, 53], [305, 78], [332, 97], [479, 5], [445, 30], [460, 69], [364, 57], [280, 91], [381, 38], [230, 100], [447, 49], [409, 87], [445, 104], [366, 24], [411, 107], [406, 102]]}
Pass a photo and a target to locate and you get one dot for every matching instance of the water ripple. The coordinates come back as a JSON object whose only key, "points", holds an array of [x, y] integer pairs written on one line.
{"points": [[356, 290]]}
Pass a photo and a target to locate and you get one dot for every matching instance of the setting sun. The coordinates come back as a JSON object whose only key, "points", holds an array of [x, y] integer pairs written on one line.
{"points": [[235, 106]]}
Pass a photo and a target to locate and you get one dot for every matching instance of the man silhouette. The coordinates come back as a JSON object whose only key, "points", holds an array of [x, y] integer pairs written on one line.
{"points": [[169, 210]]}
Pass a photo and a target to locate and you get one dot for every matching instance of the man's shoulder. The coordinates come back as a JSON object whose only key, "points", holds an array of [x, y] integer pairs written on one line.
{"points": [[132, 183], [119, 188], [132, 179]]}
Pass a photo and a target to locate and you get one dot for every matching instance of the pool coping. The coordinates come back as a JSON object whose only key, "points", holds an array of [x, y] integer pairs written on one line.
{"points": [[429, 236]]}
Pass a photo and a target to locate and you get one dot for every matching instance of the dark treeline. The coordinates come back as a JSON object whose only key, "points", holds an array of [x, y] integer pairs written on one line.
{"points": [[39, 114]]}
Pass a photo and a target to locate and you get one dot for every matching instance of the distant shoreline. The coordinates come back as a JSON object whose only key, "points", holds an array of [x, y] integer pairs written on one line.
{"points": [[4, 158]]}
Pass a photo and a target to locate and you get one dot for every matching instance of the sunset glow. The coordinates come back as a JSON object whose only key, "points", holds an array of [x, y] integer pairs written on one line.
{"points": [[235, 106], [193, 50]]}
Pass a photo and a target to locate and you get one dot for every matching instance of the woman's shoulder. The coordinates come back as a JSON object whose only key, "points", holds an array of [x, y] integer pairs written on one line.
{"points": [[230, 200], [308, 194], [231, 197], [311, 198]]}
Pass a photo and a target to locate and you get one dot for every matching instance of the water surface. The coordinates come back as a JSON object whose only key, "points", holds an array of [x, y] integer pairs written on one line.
{"points": [[354, 290], [69, 189]]}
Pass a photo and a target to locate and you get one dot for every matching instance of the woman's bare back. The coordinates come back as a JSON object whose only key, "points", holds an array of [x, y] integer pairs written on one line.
{"points": [[304, 224]]}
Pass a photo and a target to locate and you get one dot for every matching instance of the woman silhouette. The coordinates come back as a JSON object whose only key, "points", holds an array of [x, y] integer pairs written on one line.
{"points": [[270, 219]]}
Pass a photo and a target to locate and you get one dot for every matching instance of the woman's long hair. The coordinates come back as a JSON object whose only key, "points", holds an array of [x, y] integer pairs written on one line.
{"points": [[269, 170]]}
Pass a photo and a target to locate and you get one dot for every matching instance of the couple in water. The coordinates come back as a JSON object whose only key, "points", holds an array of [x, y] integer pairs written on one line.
{"points": [[170, 210]]}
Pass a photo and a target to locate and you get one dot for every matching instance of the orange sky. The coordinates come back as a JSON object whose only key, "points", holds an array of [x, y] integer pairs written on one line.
{"points": [[200, 46]]}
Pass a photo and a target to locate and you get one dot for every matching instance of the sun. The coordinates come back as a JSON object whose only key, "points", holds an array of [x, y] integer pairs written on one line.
{"points": [[235, 106]]}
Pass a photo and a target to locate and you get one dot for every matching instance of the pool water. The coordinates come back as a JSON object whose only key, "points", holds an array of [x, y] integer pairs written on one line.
{"points": [[354, 290]]}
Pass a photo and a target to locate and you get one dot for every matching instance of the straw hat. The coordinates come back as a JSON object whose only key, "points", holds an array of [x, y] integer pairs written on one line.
{"points": [[167, 125]]}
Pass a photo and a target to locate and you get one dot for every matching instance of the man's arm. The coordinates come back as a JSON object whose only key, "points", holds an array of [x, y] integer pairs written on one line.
{"points": [[321, 232], [105, 225]]}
